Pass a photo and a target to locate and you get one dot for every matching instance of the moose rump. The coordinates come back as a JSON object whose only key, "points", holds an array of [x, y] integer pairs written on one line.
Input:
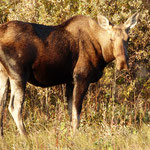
{"points": [[74, 53]]}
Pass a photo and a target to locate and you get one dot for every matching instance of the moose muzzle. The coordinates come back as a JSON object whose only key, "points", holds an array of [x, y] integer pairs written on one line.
{"points": [[122, 63]]}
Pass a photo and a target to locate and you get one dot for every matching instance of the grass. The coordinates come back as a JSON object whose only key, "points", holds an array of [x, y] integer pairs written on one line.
{"points": [[57, 135], [111, 127]]}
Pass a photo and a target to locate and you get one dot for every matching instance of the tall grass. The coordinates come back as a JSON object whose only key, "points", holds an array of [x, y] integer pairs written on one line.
{"points": [[102, 126], [57, 134]]}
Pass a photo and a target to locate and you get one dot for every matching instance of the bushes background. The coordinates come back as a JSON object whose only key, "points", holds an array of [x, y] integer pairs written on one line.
{"points": [[119, 98]]}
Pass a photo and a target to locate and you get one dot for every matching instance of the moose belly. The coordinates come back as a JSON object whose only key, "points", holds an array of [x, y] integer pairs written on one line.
{"points": [[47, 75]]}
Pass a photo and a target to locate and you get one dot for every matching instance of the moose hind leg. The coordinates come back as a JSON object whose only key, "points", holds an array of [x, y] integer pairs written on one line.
{"points": [[4, 85], [69, 93], [16, 103]]}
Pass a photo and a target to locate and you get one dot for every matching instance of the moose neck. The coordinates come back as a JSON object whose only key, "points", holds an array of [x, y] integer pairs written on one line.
{"points": [[107, 47], [108, 55]]}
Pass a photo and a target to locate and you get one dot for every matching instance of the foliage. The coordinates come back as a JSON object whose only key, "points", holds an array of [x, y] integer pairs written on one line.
{"points": [[118, 99]]}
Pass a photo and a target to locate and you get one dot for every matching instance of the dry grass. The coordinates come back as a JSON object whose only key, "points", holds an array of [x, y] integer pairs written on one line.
{"points": [[57, 135]]}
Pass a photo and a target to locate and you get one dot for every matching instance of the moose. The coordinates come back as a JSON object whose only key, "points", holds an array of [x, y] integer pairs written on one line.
{"points": [[72, 53]]}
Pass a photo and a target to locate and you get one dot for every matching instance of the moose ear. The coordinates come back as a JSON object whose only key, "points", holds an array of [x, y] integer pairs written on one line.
{"points": [[131, 22], [103, 22]]}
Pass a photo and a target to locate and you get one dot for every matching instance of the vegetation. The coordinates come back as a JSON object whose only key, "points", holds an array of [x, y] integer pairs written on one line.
{"points": [[116, 110]]}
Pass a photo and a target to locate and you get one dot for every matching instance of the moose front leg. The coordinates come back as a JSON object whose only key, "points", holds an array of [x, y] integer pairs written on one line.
{"points": [[80, 88]]}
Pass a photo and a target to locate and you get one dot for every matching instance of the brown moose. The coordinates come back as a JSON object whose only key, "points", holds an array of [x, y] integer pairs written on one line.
{"points": [[73, 53]]}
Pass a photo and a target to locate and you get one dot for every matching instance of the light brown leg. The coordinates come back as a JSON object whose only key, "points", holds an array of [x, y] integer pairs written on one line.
{"points": [[80, 88], [16, 103], [4, 84]]}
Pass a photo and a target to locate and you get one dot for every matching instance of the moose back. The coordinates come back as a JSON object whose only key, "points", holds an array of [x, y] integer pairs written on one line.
{"points": [[74, 52]]}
